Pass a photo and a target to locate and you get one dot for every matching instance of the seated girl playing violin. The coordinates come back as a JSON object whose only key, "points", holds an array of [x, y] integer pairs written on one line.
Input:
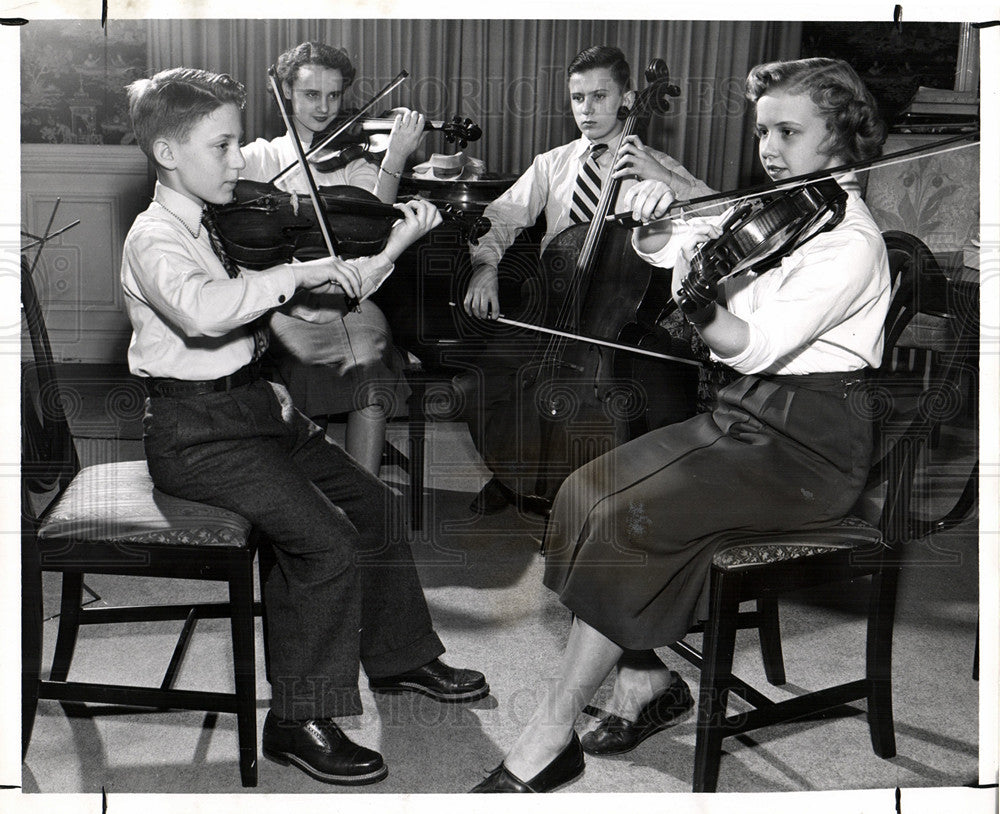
{"points": [[629, 544], [347, 365]]}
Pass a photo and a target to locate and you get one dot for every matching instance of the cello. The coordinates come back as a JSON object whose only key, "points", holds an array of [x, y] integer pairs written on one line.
{"points": [[575, 400]]}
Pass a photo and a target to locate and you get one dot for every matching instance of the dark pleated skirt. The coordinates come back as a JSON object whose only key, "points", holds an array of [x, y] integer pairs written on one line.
{"points": [[631, 537]]}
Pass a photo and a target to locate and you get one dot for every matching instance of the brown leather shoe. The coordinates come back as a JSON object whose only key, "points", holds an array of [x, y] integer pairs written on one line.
{"points": [[321, 749], [615, 735], [566, 766]]}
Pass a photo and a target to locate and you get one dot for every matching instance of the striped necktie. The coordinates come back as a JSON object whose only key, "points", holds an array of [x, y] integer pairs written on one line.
{"points": [[587, 191], [261, 333]]}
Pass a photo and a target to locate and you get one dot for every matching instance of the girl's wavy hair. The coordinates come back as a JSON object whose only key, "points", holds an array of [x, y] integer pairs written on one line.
{"points": [[313, 53], [170, 103], [856, 130]]}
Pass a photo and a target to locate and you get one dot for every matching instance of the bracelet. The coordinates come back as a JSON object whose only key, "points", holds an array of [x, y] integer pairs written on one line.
{"points": [[396, 175], [704, 314]]}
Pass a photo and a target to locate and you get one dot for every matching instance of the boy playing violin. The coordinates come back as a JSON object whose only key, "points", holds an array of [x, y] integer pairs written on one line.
{"points": [[347, 364], [345, 590], [599, 86], [783, 448]]}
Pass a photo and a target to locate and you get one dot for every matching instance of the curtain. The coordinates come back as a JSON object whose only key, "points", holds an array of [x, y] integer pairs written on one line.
{"points": [[509, 76]]}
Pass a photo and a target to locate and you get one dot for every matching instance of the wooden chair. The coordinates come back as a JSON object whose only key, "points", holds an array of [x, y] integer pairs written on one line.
{"points": [[762, 567], [433, 397], [109, 519]]}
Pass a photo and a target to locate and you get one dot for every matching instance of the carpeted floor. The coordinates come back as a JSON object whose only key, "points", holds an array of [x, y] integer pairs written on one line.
{"points": [[482, 578]]}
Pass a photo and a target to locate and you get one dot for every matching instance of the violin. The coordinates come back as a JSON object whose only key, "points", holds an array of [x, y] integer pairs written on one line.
{"points": [[770, 221], [264, 226], [347, 139], [757, 233]]}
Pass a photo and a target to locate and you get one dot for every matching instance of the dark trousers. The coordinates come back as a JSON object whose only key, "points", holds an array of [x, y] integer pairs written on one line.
{"points": [[344, 590], [506, 413]]}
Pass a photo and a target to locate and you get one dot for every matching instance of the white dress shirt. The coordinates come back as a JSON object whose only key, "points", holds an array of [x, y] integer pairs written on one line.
{"points": [[190, 320], [548, 185], [821, 309], [265, 159]]}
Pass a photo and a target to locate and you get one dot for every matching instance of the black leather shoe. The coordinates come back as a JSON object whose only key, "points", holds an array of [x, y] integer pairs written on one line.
{"points": [[493, 497], [535, 504], [614, 735], [437, 680], [566, 766], [321, 750]]}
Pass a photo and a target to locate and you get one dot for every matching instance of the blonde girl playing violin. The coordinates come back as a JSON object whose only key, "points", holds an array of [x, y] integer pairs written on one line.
{"points": [[345, 365], [629, 542]]}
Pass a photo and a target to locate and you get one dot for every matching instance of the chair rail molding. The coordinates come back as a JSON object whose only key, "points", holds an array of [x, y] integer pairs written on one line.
{"points": [[104, 187]]}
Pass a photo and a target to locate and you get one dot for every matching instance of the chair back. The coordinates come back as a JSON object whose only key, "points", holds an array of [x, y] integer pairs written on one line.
{"points": [[907, 410], [919, 286], [48, 455]]}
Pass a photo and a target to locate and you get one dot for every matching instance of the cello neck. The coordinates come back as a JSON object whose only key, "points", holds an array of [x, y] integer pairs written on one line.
{"points": [[609, 194]]}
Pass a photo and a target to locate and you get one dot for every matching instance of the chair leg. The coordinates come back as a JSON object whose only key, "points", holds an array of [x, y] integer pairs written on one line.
{"points": [[716, 679], [416, 429], [31, 639], [265, 562], [770, 641], [241, 603], [975, 656], [879, 661], [70, 609]]}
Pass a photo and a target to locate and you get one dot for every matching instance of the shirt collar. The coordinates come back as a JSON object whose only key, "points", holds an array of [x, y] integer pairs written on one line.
{"points": [[180, 206], [848, 181], [583, 145]]}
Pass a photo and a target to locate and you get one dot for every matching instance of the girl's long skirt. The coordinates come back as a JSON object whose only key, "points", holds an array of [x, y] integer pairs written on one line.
{"points": [[630, 541]]}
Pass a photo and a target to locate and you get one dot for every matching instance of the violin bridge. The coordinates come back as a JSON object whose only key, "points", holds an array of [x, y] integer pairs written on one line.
{"points": [[294, 201]]}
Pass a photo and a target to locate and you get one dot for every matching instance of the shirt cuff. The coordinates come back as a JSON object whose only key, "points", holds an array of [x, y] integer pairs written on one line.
{"points": [[374, 271], [276, 286], [752, 359], [664, 257]]}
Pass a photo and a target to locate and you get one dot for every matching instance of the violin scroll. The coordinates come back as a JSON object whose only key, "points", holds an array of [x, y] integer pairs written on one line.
{"points": [[461, 130], [471, 228]]}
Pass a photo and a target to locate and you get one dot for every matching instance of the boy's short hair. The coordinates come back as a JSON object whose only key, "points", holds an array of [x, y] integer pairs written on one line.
{"points": [[857, 131], [603, 56], [313, 53], [170, 103]]}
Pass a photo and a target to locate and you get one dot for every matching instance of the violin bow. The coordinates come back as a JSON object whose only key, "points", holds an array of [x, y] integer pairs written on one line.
{"points": [[935, 147], [324, 228], [593, 340], [400, 77]]}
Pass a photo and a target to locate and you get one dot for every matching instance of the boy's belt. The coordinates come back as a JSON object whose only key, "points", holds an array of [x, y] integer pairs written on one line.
{"points": [[171, 388]]}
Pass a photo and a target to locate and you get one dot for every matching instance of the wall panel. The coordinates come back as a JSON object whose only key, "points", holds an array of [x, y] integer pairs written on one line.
{"points": [[104, 187]]}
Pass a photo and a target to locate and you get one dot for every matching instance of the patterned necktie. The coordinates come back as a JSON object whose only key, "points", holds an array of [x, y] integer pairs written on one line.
{"points": [[587, 191], [261, 334]]}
